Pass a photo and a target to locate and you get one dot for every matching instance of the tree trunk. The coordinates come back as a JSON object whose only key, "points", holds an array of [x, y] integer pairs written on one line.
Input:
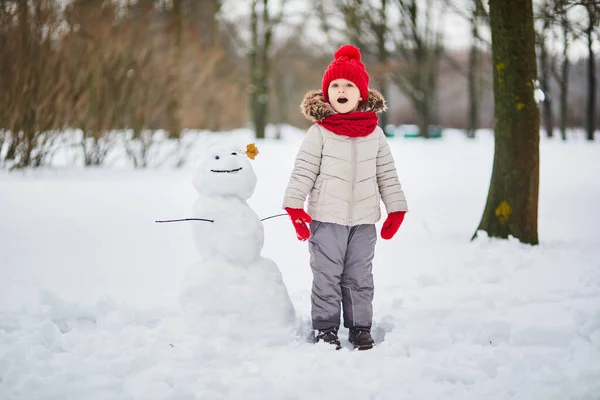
{"points": [[590, 118], [423, 111], [545, 84], [474, 73], [382, 55], [473, 120], [512, 203], [419, 78], [564, 78], [260, 68], [564, 97]]}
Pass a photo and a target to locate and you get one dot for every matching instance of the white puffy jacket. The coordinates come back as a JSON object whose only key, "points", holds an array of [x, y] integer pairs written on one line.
{"points": [[344, 177]]}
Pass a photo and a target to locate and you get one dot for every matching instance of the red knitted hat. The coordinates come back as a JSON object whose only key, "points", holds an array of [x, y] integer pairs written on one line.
{"points": [[346, 64]]}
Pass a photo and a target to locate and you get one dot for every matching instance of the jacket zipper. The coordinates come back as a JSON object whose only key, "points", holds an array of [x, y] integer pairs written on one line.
{"points": [[353, 165]]}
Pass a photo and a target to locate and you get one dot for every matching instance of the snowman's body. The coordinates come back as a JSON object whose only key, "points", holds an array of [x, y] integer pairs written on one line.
{"points": [[233, 288], [236, 233]]}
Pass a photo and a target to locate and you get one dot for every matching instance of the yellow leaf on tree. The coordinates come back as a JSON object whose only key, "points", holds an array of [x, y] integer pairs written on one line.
{"points": [[503, 211], [251, 151], [520, 106]]}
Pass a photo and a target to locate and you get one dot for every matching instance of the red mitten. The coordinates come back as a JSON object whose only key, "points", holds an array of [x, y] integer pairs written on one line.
{"points": [[300, 219], [391, 224]]}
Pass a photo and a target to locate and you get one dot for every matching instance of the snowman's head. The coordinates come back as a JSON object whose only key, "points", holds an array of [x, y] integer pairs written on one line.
{"points": [[225, 171]]}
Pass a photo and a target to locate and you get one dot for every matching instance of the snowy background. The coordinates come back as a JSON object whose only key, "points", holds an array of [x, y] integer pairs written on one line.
{"points": [[89, 285]]}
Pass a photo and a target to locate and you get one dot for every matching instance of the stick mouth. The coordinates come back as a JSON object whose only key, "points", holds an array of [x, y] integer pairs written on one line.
{"points": [[226, 171]]}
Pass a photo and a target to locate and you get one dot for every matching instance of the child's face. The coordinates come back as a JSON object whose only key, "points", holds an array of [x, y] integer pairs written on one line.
{"points": [[343, 96]]}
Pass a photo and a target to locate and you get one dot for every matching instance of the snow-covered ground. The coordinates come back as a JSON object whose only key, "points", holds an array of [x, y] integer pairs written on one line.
{"points": [[89, 285]]}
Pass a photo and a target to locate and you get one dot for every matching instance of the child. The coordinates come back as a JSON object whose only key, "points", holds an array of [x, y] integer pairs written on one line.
{"points": [[344, 165]]}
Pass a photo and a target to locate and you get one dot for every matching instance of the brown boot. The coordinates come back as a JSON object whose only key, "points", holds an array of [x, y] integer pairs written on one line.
{"points": [[330, 336], [361, 338]]}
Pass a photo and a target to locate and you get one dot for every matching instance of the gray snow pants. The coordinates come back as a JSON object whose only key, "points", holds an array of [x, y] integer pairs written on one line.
{"points": [[341, 262]]}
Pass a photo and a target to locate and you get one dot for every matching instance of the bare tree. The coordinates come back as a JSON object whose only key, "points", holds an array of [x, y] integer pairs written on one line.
{"points": [[211, 73], [96, 74], [474, 73], [174, 72], [512, 203], [104, 66], [546, 16], [294, 73], [476, 15], [355, 14], [591, 33], [262, 26], [201, 15], [378, 24], [419, 49], [562, 75], [32, 85], [6, 31], [144, 44]]}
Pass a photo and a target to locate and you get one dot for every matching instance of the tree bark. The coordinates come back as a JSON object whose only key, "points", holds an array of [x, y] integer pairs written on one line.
{"points": [[590, 118], [512, 203]]}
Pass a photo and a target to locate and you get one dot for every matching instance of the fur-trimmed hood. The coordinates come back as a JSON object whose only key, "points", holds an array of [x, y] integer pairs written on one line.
{"points": [[315, 108]]}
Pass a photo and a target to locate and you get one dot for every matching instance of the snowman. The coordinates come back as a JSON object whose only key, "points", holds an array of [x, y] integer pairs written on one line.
{"points": [[232, 291]]}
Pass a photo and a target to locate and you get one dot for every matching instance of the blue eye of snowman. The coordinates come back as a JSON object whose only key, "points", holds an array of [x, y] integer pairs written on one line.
{"points": [[234, 154], [217, 157]]}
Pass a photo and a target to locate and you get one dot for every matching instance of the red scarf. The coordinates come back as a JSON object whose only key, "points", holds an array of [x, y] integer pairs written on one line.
{"points": [[354, 124]]}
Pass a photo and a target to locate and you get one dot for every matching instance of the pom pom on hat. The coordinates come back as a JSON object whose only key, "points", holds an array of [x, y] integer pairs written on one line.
{"points": [[347, 51], [346, 64]]}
